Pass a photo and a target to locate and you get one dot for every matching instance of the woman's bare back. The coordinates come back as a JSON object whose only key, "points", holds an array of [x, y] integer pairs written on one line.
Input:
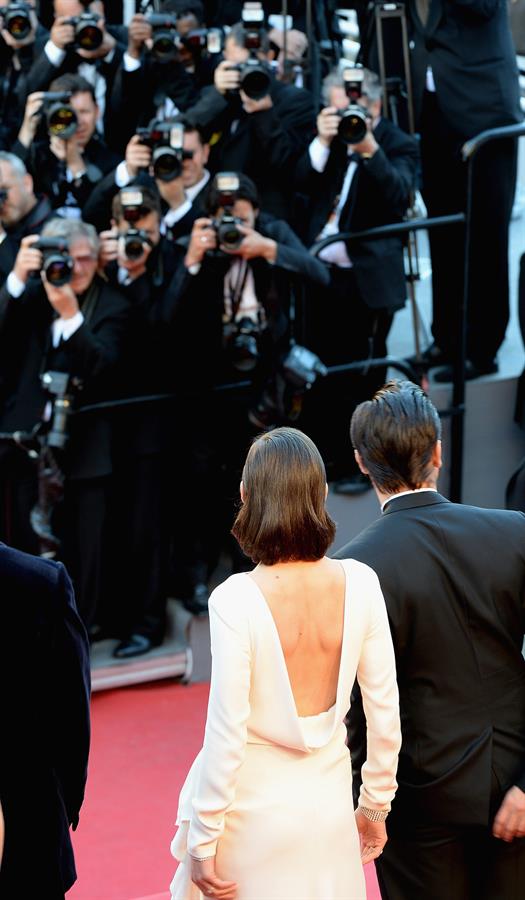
{"points": [[307, 602]]}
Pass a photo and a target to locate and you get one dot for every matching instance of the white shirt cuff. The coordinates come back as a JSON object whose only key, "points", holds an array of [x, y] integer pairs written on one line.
{"points": [[122, 176], [130, 63], [318, 155], [15, 287], [69, 326], [55, 55], [109, 56], [194, 269], [175, 215]]}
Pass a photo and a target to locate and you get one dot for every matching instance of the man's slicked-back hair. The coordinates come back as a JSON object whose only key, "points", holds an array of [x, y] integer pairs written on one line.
{"points": [[283, 517], [395, 434]]}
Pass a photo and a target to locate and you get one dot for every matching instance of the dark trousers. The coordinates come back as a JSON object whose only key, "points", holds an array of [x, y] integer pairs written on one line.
{"points": [[444, 191], [136, 547], [341, 328]]}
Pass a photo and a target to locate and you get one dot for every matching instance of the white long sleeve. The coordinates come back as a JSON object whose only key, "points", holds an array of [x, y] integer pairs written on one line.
{"points": [[226, 725], [376, 675]]}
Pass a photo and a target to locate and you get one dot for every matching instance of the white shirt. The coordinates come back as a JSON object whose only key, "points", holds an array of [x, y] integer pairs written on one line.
{"points": [[89, 71], [336, 253], [249, 306], [191, 192], [174, 215], [61, 329], [404, 494]]}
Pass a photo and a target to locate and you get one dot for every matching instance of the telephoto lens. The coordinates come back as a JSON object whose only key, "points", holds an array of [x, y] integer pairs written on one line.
{"points": [[61, 118], [353, 125], [228, 235], [134, 241], [255, 79], [17, 20], [164, 31], [88, 34], [57, 265], [167, 163]]}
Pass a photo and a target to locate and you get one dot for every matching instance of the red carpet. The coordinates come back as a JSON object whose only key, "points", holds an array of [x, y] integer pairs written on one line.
{"points": [[144, 739]]}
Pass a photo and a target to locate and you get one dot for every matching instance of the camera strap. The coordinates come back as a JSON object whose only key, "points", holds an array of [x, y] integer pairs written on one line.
{"points": [[235, 290]]}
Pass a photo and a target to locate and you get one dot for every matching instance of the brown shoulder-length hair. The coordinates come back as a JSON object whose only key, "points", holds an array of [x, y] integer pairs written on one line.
{"points": [[283, 516]]}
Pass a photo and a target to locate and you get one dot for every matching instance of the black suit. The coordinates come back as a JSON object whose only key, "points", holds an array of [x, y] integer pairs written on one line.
{"points": [[91, 354], [265, 145], [453, 578], [14, 66], [353, 320], [44, 711], [469, 47]]}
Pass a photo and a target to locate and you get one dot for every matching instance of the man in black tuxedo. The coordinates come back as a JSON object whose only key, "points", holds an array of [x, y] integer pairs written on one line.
{"points": [[261, 137], [465, 81], [75, 328], [44, 709], [453, 579], [352, 187], [16, 59]]}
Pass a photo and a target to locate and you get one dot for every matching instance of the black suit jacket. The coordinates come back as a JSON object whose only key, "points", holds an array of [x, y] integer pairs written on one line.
{"points": [[453, 578], [469, 46], [44, 715], [264, 145], [379, 195], [91, 354]]}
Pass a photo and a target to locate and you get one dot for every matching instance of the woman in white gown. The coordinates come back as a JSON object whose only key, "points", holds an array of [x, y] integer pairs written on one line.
{"points": [[266, 811]]}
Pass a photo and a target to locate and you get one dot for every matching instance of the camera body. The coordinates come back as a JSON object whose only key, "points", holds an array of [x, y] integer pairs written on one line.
{"points": [[354, 119], [164, 36], [255, 78], [17, 20], [131, 199], [57, 265], [202, 41], [88, 34], [228, 235], [60, 386], [241, 340], [166, 141], [61, 118], [281, 400]]}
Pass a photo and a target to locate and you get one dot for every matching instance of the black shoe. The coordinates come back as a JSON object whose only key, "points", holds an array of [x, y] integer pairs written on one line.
{"points": [[429, 358], [135, 645], [472, 370], [197, 604], [353, 485]]}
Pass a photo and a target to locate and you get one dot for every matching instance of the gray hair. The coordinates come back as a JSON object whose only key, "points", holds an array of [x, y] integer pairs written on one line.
{"points": [[72, 229], [372, 87], [17, 166]]}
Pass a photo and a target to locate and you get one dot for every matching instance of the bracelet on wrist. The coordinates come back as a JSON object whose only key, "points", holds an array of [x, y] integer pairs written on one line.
{"points": [[202, 858], [374, 815]]}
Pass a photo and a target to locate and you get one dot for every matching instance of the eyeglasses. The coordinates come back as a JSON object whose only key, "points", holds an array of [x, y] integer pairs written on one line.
{"points": [[83, 260]]}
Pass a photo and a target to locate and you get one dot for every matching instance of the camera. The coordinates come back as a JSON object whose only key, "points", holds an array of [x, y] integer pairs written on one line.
{"points": [[166, 141], [281, 401], [17, 20], [228, 234], [164, 36], [61, 118], [241, 342], [88, 34], [255, 78], [57, 265], [131, 199], [202, 41], [353, 125], [60, 386]]}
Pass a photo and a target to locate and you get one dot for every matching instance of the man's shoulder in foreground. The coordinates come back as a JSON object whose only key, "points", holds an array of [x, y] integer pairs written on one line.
{"points": [[24, 569]]}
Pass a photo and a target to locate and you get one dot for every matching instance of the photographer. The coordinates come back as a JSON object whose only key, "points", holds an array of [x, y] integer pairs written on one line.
{"points": [[148, 84], [68, 160], [349, 186], [236, 280], [21, 211], [141, 263], [21, 39], [183, 192], [262, 137], [75, 327], [84, 47]]}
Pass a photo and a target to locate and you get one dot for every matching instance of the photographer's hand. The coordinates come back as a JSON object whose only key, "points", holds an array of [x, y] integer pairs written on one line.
{"points": [[108, 248], [32, 116], [138, 156], [108, 44], [327, 125], [61, 33], [226, 78], [62, 299], [254, 106], [203, 238], [255, 245], [139, 31], [28, 259]]}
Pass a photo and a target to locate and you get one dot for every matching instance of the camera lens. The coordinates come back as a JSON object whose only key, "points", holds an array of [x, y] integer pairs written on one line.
{"points": [[166, 164], [352, 127], [164, 46], [133, 247], [62, 121], [18, 26], [89, 37], [255, 83], [230, 236], [58, 270]]}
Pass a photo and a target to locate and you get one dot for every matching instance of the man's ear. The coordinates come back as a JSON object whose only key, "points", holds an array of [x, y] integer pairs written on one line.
{"points": [[360, 463], [437, 458]]}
